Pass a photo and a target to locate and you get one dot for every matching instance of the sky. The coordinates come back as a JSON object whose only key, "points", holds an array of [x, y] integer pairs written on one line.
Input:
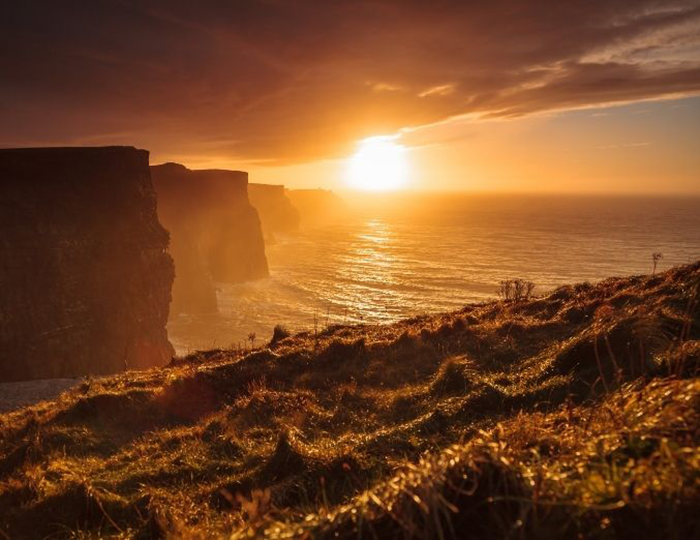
{"points": [[505, 95]]}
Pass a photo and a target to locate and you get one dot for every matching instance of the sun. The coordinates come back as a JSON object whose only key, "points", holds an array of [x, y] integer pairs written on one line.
{"points": [[378, 165]]}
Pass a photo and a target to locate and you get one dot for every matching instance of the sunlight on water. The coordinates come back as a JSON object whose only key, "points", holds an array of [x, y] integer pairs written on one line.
{"points": [[380, 265]]}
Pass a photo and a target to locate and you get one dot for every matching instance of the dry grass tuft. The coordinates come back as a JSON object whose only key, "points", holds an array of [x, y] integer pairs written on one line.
{"points": [[574, 414]]}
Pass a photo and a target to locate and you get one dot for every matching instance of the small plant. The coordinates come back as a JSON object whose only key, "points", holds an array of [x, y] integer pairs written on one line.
{"points": [[655, 258], [251, 338], [315, 331], [256, 386], [505, 289], [258, 506], [279, 333], [516, 289]]}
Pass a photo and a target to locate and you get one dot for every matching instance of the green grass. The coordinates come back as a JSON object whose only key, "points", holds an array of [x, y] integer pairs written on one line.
{"points": [[569, 415]]}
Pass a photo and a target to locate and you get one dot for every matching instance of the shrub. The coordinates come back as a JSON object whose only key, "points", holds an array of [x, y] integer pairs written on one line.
{"points": [[516, 289]]}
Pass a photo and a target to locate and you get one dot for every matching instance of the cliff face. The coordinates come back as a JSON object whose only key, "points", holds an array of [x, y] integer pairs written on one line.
{"points": [[277, 212], [215, 232], [84, 272]]}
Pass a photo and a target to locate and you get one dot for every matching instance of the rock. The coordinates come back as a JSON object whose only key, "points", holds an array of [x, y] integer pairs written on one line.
{"points": [[216, 234], [84, 270]]}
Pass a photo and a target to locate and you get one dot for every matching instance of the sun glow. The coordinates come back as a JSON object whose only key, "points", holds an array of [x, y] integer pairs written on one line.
{"points": [[378, 165]]}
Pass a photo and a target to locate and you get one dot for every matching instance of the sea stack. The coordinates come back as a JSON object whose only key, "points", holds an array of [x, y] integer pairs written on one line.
{"points": [[84, 269], [216, 235]]}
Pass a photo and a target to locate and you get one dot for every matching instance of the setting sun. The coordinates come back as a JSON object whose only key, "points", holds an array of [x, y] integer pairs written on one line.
{"points": [[378, 165]]}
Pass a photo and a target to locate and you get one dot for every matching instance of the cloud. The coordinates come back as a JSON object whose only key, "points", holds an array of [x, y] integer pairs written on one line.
{"points": [[294, 81], [441, 90], [625, 145]]}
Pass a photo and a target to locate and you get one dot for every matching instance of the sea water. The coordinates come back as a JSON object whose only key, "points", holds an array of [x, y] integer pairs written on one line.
{"points": [[392, 257]]}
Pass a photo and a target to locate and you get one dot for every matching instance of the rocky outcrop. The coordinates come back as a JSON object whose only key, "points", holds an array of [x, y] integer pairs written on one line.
{"points": [[84, 270], [215, 232], [277, 212]]}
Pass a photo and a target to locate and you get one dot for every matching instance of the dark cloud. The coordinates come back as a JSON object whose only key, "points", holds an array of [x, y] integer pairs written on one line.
{"points": [[291, 81]]}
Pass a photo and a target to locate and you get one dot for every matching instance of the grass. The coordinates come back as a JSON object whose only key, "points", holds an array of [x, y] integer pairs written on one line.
{"points": [[573, 414]]}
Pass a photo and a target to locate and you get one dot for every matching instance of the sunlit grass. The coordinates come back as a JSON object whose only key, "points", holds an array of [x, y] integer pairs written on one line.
{"points": [[570, 414]]}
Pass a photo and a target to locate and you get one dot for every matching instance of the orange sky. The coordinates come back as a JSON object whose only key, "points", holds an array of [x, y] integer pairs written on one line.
{"points": [[641, 148], [593, 96]]}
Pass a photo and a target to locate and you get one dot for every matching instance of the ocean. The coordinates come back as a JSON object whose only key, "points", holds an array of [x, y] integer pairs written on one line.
{"points": [[395, 256]]}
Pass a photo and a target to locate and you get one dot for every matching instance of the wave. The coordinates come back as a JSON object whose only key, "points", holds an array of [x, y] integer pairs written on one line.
{"points": [[381, 265]]}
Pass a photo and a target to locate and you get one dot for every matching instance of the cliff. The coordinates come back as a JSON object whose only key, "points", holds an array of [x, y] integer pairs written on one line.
{"points": [[84, 272], [216, 234], [277, 212], [571, 415], [316, 206]]}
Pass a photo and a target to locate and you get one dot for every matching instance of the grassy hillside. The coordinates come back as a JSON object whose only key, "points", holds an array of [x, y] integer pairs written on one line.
{"points": [[571, 415]]}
